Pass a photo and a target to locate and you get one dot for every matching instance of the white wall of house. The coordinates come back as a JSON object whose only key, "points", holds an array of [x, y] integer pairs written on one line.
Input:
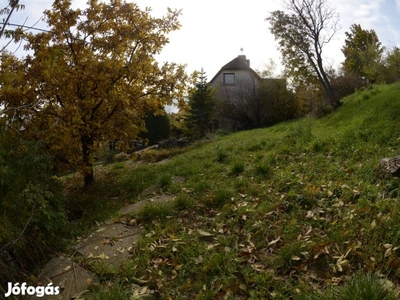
{"points": [[245, 82], [241, 76]]}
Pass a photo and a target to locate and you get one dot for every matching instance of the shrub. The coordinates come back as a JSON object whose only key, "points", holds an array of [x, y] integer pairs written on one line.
{"points": [[158, 128], [31, 204]]}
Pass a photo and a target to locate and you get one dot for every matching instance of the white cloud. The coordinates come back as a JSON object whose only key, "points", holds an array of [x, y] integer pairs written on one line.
{"points": [[364, 12]]}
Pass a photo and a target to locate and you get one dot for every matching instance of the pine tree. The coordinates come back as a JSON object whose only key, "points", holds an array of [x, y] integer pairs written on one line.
{"points": [[200, 118]]}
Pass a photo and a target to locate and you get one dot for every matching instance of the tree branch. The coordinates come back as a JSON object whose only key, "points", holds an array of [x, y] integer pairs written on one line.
{"points": [[17, 108], [22, 232], [13, 6]]}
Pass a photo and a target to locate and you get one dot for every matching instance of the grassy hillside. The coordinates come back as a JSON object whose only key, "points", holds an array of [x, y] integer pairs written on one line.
{"points": [[295, 211]]}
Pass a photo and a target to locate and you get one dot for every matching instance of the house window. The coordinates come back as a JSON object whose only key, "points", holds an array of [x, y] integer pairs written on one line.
{"points": [[229, 78]]}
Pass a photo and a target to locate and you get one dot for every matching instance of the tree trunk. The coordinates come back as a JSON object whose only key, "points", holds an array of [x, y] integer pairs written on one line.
{"points": [[335, 103], [87, 145], [89, 177]]}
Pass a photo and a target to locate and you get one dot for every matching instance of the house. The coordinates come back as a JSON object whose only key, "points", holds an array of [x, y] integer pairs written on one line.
{"points": [[241, 104], [236, 73]]}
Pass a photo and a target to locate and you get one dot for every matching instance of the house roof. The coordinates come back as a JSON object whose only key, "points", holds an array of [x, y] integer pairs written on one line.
{"points": [[238, 63]]}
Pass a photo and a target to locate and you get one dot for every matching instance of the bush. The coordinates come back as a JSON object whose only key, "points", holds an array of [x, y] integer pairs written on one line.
{"points": [[158, 128], [31, 205], [346, 84]]}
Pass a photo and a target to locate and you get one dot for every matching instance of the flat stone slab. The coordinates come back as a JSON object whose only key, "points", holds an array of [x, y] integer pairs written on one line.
{"points": [[151, 190], [66, 274], [110, 244], [155, 188], [135, 207]]}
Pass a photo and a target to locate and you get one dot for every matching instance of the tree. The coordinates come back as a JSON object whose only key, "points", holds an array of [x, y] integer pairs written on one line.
{"points": [[200, 116], [90, 76], [158, 127], [31, 205], [391, 62], [13, 5], [302, 35], [363, 54]]}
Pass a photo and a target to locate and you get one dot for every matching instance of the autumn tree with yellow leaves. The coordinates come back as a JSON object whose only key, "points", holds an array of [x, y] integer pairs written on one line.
{"points": [[91, 78]]}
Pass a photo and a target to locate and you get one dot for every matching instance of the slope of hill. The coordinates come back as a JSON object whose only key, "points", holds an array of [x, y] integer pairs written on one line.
{"points": [[289, 212]]}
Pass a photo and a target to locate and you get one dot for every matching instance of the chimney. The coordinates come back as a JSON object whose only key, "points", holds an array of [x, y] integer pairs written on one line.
{"points": [[247, 61]]}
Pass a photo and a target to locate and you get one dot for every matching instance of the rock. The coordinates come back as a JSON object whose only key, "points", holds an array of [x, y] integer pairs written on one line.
{"points": [[183, 142], [390, 166], [111, 244], [169, 143], [121, 157], [132, 209], [144, 297], [66, 274]]}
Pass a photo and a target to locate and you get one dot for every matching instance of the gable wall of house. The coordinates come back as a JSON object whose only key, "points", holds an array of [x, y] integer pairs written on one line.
{"points": [[245, 82], [241, 77], [234, 99]]}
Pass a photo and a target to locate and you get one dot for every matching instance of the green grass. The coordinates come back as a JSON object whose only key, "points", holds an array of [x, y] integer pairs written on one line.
{"points": [[110, 290], [361, 286], [155, 211], [288, 212]]}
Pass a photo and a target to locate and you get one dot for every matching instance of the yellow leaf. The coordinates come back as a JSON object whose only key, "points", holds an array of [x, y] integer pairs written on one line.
{"points": [[100, 229], [67, 268], [388, 252], [373, 224], [204, 233], [274, 241]]}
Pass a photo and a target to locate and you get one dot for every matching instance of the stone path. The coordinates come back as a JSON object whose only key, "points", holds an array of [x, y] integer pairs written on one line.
{"points": [[111, 244]]}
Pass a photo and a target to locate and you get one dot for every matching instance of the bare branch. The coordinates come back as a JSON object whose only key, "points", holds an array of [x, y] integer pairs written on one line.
{"points": [[23, 230], [13, 5], [302, 34], [2, 112]]}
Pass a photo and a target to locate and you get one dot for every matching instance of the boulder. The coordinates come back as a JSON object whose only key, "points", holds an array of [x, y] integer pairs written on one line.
{"points": [[390, 166]]}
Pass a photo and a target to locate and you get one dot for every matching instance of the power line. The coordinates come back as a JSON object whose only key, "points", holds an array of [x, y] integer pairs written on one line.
{"points": [[24, 26]]}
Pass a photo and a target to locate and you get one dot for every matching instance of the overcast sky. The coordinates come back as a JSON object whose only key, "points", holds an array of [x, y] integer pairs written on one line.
{"points": [[214, 31]]}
